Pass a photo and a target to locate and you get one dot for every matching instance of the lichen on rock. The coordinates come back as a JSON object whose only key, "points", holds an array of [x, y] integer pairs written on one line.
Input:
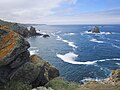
{"points": [[16, 64]]}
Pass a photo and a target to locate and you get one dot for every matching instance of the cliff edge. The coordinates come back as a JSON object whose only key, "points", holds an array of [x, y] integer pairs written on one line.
{"points": [[16, 64]]}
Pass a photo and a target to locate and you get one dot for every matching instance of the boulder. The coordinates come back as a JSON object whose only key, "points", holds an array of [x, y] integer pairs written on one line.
{"points": [[47, 71], [27, 73], [46, 35]]}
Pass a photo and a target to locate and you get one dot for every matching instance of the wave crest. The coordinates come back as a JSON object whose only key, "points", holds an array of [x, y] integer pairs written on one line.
{"points": [[95, 40], [70, 58]]}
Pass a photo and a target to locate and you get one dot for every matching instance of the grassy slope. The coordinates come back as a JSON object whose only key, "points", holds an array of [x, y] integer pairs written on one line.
{"points": [[59, 84], [5, 23]]}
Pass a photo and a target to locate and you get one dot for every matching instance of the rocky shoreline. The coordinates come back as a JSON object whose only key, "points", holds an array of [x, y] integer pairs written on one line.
{"points": [[17, 65], [22, 29]]}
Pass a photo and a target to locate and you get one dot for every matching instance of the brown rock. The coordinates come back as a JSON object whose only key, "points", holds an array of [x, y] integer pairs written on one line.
{"points": [[47, 71], [11, 46]]}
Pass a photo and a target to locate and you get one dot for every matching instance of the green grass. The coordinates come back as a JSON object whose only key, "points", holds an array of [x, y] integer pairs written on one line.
{"points": [[5, 23], [16, 86], [60, 84]]}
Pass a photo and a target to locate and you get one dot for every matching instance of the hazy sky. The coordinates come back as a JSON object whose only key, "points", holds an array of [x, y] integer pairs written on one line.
{"points": [[61, 11]]}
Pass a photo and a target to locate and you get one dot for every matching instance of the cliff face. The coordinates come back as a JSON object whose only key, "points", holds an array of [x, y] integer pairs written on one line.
{"points": [[16, 64], [20, 29]]}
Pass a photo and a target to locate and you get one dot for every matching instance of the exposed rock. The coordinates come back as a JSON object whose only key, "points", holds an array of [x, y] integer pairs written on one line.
{"points": [[95, 30], [11, 46], [89, 30], [13, 53], [20, 29], [24, 31], [27, 73], [33, 32], [47, 71], [20, 59], [16, 63], [114, 79], [46, 35]]}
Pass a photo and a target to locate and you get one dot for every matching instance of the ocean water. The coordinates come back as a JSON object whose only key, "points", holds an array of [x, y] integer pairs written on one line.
{"points": [[79, 55]]}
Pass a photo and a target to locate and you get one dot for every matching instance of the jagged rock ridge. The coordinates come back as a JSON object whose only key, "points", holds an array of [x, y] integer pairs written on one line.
{"points": [[16, 64]]}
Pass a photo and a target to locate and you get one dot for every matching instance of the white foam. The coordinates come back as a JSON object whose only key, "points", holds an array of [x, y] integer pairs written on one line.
{"points": [[58, 32], [33, 47], [95, 40], [112, 59], [116, 46], [53, 34], [32, 52], [72, 44], [41, 32], [58, 38], [118, 64], [101, 33], [70, 58], [69, 34], [117, 40], [90, 79], [106, 33]]}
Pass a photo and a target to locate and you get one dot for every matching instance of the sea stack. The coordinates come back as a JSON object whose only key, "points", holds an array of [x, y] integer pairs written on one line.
{"points": [[95, 30]]}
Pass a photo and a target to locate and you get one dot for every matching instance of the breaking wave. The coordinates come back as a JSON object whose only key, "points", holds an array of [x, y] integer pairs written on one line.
{"points": [[32, 52], [95, 40], [69, 34], [72, 44], [113, 45], [70, 58], [101, 33]]}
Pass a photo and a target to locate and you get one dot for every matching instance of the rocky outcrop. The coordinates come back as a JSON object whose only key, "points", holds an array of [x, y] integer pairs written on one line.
{"points": [[20, 30], [114, 79], [46, 35], [24, 31], [95, 30], [33, 32], [46, 72], [16, 64]]}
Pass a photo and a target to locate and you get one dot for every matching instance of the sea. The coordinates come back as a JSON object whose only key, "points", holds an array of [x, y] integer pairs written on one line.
{"points": [[79, 55]]}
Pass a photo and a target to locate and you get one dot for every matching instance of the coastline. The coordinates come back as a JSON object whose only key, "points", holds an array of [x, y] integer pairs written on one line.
{"points": [[33, 70]]}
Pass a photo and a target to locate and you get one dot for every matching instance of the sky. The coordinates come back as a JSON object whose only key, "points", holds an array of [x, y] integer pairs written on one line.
{"points": [[61, 11]]}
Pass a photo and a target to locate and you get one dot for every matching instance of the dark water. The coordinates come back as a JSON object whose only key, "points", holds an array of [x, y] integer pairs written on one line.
{"points": [[77, 54]]}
